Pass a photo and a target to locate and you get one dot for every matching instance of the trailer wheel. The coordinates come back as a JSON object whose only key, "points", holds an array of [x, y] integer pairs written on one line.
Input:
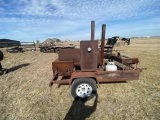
{"points": [[1, 55], [83, 89], [57, 50], [43, 50]]}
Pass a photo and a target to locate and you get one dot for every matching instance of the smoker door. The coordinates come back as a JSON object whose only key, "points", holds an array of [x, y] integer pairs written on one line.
{"points": [[89, 52]]}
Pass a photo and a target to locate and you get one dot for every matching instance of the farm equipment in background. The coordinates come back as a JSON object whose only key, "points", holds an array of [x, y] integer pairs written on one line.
{"points": [[2, 70], [54, 48], [21, 47], [15, 49], [127, 40], [84, 69], [28, 46], [119, 41]]}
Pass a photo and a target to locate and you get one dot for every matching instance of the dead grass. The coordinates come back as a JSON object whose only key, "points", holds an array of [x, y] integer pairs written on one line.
{"points": [[25, 95]]}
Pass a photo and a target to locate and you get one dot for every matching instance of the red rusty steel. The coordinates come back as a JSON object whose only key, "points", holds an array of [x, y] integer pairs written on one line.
{"points": [[130, 61], [83, 74], [103, 42], [104, 76], [62, 68], [70, 55], [66, 81], [102, 72], [109, 76], [92, 30], [88, 60], [119, 75], [125, 61], [99, 59]]}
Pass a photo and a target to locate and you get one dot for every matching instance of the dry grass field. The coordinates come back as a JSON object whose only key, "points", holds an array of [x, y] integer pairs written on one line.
{"points": [[25, 94]]}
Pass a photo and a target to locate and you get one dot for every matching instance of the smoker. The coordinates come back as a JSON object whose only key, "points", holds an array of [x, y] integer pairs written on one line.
{"points": [[84, 69]]}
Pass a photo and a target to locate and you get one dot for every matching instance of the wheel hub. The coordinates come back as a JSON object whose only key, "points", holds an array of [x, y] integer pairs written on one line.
{"points": [[83, 90]]}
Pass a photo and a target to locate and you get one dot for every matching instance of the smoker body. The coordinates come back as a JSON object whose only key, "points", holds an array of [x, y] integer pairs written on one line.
{"points": [[84, 68]]}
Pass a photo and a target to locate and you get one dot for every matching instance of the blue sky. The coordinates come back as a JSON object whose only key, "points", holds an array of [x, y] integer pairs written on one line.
{"points": [[28, 20]]}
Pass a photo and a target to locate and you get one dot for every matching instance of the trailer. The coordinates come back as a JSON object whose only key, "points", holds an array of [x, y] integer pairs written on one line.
{"points": [[54, 48], [84, 69]]}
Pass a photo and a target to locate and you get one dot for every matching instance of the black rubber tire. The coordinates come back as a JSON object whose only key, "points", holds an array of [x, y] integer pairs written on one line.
{"points": [[79, 81], [44, 50], [56, 50], [1, 55]]}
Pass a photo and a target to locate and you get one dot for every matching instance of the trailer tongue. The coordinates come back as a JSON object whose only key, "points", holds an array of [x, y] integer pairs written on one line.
{"points": [[85, 68]]}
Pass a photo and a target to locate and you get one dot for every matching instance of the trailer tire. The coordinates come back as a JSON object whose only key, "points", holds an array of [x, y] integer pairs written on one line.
{"points": [[83, 89], [56, 50], [1, 55], [44, 50]]}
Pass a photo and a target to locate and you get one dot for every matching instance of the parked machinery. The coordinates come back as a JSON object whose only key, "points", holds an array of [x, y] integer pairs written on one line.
{"points": [[1, 55], [119, 40], [54, 48], [2, 70], [85, 68]]}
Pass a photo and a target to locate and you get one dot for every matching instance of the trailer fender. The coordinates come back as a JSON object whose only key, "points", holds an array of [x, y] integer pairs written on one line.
{"points": [[93, 78]]}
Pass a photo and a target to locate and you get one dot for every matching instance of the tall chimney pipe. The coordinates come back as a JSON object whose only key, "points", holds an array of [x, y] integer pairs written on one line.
{"points": [[92, 30], [103, 42]]}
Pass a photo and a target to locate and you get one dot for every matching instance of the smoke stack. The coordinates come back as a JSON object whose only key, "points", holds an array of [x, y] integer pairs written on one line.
{"points": [[92, 30], [103, 41]]}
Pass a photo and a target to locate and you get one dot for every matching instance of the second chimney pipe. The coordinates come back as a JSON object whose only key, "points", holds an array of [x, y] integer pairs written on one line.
{"points": [[103, 42], [92, 30]]}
